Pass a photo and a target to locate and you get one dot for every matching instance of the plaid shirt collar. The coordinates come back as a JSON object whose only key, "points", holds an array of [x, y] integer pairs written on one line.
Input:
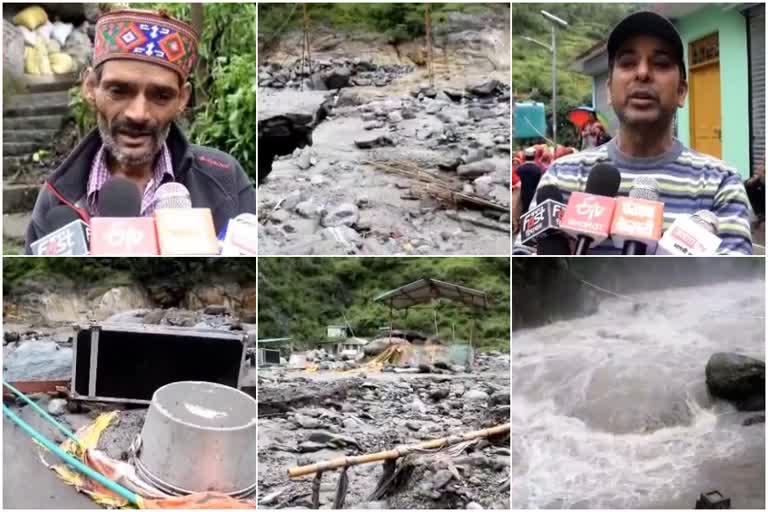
{"points": [[100, 175]]}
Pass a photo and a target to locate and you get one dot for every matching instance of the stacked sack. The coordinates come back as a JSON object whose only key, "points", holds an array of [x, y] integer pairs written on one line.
{"points": [[52, 48]]}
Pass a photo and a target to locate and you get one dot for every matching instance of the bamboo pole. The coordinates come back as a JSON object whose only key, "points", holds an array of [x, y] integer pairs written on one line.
{"points": [[342, 462]]}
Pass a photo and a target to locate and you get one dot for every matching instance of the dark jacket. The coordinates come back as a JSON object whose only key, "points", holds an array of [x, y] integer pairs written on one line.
{"points": [[214, 179]]}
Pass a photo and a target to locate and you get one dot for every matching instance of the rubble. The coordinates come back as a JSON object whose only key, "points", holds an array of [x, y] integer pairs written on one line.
{"points": [[415, 153], [312, 416], [329, 74]]}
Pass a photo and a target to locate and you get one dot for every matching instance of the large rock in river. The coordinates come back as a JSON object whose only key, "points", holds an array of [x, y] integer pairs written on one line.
{"points": [[737, 378]]}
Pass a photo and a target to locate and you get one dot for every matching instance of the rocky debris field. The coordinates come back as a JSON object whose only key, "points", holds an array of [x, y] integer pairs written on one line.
{"points": [[426, 173], [311, 417], [333, 73]]}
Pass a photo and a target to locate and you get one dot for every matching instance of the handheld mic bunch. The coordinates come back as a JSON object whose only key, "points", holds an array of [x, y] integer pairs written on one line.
{"points": [[634, 224], [176, 228]]}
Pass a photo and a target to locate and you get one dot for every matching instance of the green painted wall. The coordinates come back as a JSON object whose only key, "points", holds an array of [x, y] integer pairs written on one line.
{"points": [[734, 80]]}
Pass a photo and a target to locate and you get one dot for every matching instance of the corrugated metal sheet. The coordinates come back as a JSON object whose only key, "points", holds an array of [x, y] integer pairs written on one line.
{"points": [[756, 17]]}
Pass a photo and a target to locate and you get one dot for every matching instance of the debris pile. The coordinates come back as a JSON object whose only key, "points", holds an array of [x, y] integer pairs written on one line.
{"points": [[334, 73], [425, 173], [309, 417]]}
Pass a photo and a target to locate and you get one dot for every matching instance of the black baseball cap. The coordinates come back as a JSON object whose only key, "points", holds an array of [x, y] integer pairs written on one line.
{"points": [[647, 23]]}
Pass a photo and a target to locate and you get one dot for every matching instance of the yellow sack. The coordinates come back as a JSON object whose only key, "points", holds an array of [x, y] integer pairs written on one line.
{"points": [[31, 61], [61, 63], [31, 17]]}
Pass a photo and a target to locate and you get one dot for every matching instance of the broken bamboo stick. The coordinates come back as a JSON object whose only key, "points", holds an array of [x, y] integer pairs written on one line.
{"points": [[396, 453]]}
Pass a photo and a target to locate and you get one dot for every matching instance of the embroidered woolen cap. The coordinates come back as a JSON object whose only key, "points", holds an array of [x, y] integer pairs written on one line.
{"points": [[147, 36]]}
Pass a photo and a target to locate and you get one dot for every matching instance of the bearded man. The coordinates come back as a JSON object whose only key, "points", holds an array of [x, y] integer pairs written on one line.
{"points": [[138, 87]]}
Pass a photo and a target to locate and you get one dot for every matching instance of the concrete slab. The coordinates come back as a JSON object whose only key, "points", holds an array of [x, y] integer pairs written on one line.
{"points": [[27, 484]]}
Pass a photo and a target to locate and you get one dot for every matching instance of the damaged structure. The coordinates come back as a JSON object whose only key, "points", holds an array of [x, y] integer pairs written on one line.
{"points": [[169, 423], [415, 423]]}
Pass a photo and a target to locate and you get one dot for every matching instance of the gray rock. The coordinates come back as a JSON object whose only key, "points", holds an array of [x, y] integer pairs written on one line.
{"points": [[57, 407], [304, 161], [441, 479], [310, 446], [373, 125], [484, 185], [215, 309], [395, 117], [337, 78], [292, 200], [339, 440], [476, 169], [737, 378], [317, 179], [377, 142], [345, 214], [11, 336], [279, 216], [306, 209], [439, 394], [484, 88], [344, 235], [479, 113], [473, 506], [473, 155], [475, 395], [434, 107], [304, 421]]}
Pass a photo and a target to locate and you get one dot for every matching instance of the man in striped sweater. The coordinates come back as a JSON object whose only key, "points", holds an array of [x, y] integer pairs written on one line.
{"points": [[647, 84]]}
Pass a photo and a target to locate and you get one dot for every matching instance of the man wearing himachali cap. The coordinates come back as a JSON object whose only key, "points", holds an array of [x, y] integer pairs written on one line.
{"points": [[138, 87]]}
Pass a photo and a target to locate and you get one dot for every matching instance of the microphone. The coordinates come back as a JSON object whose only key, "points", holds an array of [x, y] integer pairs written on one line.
{"points": [[119, 230], [692, 235], [240, 236], [119, 197], [638, 219], [172, 195], [67, 234], [541, 225], [181, 229], [588, 214]]}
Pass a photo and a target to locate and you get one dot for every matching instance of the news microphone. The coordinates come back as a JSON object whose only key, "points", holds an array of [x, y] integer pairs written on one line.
{"points": [[638, 219], [120, 230], [240, 236], [588, 214], [172, 195], [691, 235], [119, 197], [541, 225], [66, 234], [181, 229]]}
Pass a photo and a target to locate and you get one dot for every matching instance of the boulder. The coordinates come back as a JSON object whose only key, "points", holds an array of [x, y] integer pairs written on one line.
{"points": [[738, 379], [337, 78], [346, 214]]}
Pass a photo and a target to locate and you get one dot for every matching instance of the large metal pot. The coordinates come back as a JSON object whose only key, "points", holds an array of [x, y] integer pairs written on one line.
{"points": [[199, 436]]}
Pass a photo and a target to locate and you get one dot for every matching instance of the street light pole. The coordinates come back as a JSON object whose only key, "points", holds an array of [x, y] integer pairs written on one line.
{"points": [[554, 85], [555, 23]]}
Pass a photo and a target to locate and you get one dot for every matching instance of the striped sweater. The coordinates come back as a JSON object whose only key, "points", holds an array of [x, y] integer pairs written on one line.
{"points": [[688, 182]]}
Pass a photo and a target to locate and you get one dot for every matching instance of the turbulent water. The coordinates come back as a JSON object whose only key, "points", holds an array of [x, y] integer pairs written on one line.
{"points": [[612, 411]]}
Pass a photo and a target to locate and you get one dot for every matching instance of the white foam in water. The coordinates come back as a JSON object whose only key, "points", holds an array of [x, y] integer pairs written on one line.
{"points": [[611, 410]]}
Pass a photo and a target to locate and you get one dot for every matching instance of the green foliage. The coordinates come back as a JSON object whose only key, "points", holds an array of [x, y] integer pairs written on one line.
{"points": [[398, 21], [82, 113], [90, 272], [532, 65], [299, 297]]}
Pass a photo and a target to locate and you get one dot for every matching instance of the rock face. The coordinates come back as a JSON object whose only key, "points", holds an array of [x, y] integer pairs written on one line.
{"points": [[738, 379]]}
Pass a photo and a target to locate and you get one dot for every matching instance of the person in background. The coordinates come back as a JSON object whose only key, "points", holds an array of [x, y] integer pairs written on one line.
{"points": [[530, 174]]}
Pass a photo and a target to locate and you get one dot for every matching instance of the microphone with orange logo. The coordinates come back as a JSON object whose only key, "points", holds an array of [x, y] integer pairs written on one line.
{"points": [[588, 214], [638, 219]]}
